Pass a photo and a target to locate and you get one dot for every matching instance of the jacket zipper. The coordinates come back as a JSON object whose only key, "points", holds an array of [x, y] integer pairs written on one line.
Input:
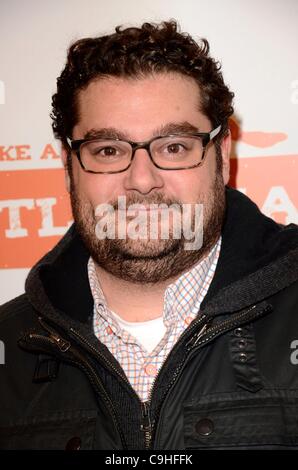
{"points": [[191, 345], [195, 340], [54, 339], [83, 340], [147, 424], [65, 346], [230, 322]]}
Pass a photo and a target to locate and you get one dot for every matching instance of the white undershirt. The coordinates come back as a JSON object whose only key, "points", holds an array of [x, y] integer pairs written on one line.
{"points": [[148, 333]]}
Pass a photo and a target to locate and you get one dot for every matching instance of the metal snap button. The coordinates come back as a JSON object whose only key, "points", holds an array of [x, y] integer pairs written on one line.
{"points": [[205, 427], [74, 443], [242, 343], [243, 357], [239, 332]]}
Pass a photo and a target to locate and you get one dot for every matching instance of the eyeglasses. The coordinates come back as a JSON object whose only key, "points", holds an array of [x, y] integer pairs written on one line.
{"points": [[171, 152]]}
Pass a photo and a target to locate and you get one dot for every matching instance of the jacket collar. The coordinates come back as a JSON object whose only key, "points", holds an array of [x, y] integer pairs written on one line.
{"points": [[258, 258]]}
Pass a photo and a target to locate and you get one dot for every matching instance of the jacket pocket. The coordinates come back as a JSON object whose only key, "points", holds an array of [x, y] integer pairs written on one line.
{"points": [[267, 419], [62, 430]]}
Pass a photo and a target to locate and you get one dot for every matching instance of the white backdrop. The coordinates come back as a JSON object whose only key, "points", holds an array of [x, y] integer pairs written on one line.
{"points": [[256, 42]]}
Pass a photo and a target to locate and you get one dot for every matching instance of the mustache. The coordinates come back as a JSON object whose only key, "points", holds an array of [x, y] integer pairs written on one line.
{"points": [[153, 199]]}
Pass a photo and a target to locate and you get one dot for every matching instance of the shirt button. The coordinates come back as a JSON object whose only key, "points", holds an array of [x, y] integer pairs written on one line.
{"points": [[188, 320], [205, 427], [150, 369], [109, 330]]}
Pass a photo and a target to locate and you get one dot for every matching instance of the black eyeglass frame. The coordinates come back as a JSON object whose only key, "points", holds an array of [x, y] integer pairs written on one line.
{"points": [[206, 137]]}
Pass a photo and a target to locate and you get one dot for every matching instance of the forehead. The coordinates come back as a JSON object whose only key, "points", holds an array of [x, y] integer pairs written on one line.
{"points": [[139, 104]]}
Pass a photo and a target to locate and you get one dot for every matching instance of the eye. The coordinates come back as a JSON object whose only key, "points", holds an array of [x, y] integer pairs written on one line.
{"points": [[108, 151], [175, 147], [104, 149]]}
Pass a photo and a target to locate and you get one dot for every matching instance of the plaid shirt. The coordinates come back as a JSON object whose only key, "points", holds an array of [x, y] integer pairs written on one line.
{"points": [[182, 302]]}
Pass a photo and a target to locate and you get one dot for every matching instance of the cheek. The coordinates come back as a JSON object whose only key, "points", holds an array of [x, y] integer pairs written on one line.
{"points": [[95, 189], [189, 185], [206, 174]]}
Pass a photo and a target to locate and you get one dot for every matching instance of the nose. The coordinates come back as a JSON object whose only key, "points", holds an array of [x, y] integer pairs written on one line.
{"points": [[142, 175]]}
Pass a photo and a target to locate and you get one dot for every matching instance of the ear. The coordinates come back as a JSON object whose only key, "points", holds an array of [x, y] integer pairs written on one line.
{"points": [[226, 152], [64, 154]]}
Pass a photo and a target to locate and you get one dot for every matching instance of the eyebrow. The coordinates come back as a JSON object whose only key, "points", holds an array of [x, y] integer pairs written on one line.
{"points": [[184, 127]]}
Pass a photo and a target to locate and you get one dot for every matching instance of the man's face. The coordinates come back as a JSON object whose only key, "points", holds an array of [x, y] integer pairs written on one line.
{"points": [[141, 109]]}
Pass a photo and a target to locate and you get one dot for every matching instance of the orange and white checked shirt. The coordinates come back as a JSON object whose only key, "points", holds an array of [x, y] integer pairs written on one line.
{"points": [[182, 302]]}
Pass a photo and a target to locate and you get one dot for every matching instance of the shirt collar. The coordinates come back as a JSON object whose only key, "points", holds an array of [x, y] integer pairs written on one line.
{"points": [[182, 296], [185, 295]]}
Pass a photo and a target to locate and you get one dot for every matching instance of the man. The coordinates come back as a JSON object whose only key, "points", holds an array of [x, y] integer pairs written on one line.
{"points": [[127, 342]]}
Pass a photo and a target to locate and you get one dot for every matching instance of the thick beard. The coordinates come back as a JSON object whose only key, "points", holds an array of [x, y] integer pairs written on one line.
{"points": [[153, 261]]}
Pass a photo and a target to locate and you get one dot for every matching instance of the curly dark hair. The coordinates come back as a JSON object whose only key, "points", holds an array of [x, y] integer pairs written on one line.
{"points": [[139, 52]]}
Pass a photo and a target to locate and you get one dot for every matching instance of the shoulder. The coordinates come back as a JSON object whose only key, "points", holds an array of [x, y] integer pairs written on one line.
{"points": [[14, 307], [15, 316]]}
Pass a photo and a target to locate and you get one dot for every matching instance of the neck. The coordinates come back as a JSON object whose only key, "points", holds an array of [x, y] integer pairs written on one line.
{"points": [[133, 301]]}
